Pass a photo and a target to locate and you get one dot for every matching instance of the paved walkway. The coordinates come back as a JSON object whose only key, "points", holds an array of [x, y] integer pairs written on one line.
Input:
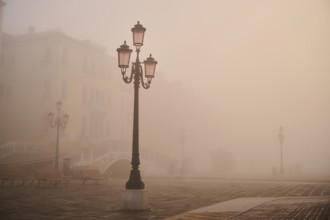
{"points": [[166, 198], [299, 208]]}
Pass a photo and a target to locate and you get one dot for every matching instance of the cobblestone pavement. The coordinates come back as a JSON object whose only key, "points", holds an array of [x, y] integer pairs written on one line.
{"points": [[166, 197], [298, 208], [290, 208]]}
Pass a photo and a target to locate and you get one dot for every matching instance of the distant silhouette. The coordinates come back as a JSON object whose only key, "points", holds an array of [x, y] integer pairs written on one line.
{"points": [[281, 139]]}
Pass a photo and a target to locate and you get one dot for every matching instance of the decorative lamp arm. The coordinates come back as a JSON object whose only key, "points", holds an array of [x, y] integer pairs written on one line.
{"points": [[130, 78], [53, 124], [51, 120], [147, 84]]}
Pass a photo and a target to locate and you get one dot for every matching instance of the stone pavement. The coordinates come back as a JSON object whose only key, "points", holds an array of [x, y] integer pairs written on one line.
{"points": [[166, 198], [299, 208]]}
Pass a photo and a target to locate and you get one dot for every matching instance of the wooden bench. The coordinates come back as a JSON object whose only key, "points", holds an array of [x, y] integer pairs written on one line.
{"points": [[93, 175], [14, 174], [51, 176]]}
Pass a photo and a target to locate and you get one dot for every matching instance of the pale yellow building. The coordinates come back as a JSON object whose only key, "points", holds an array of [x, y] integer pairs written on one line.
{"points": [[40, 68]]}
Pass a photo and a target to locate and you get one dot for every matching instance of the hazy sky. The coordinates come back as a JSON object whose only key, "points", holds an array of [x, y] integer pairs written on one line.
{"points": [[261, 63]]}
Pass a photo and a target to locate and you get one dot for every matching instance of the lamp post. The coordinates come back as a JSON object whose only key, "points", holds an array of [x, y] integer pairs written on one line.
{"points": [[132, 198], [59, 121], [183, 139], [281, 139]]}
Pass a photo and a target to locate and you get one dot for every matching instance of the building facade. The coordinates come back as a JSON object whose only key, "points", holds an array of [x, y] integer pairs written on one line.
{"points": [[40, 68], [37, 69]]}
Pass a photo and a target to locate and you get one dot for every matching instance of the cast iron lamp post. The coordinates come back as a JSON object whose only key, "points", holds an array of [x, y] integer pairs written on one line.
{"points": [[281, 139], [124, 54], [60, 121]]}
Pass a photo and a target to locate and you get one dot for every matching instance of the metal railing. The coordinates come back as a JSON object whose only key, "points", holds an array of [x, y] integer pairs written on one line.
{"points": [[18, 147], [89, 156]]}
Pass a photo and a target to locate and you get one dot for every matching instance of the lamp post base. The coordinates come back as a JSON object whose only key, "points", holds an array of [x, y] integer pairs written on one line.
{"points": [[134, 200]]}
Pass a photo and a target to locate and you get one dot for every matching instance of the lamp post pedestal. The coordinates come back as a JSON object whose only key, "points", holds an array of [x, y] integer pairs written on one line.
{"points": [[134, 200]]}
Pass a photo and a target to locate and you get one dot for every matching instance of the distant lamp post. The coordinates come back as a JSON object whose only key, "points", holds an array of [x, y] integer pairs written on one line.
{"points": [[183, 139], [281, 140], [124, 54], [59, 121]]}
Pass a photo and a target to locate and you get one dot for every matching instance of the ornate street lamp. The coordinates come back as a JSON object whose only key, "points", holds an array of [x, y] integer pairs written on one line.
{"points": [[281, 139], [60, 121], [124, 54]]}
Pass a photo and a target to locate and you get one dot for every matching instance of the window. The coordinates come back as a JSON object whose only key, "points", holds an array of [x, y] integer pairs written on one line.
{"points": [[63, 90], [101, 127], [92, 96], [93, 67], [84, 94], [46, 92], [47, 55], [65, 59], [85, 67], [97, 97], [83, 126], [92, 126], [102, 98], [102, 69], [97, 126], [107, 128]]}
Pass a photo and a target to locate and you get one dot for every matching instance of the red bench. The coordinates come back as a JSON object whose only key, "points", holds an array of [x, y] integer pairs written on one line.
{"points": [[93, 175], [51, 176], [15, 174]]}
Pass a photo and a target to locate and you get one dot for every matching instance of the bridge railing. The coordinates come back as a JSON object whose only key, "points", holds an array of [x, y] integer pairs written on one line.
{"points": [[18, 147], [89, 156], [103, 155]]}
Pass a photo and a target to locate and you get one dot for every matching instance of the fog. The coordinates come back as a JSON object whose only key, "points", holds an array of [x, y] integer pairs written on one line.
{"points": [[229, 74]]}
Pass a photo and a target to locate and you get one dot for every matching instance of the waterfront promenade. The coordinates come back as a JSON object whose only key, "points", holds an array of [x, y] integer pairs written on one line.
{"points": [[167, 198]]}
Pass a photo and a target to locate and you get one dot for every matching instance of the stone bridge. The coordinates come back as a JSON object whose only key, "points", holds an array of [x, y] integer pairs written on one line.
{"points": [[115, 158], [112, 157]]}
